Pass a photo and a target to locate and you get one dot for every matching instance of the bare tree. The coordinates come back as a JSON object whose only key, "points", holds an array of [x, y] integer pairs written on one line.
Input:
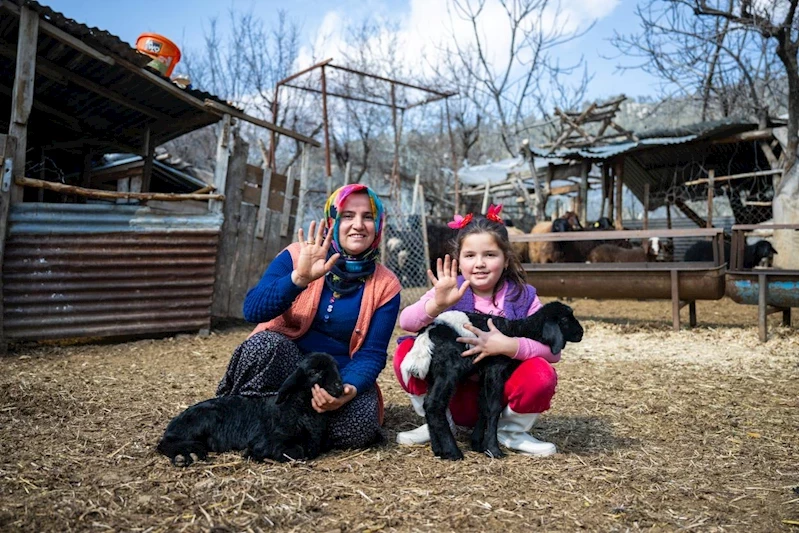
{"points": [[245, 66], [726, 67], [720, 47], [527, 82]]}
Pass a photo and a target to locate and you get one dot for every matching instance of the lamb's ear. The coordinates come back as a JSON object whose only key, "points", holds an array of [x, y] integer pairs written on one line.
{"points": [[292, 384], [553, 336]]}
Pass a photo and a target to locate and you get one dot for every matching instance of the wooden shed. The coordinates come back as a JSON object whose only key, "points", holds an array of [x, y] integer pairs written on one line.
{"points": [[77, 258]]}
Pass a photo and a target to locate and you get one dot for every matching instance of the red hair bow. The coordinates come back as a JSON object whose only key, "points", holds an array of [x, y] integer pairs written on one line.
{"points": [[459, 222], [493, 213]]}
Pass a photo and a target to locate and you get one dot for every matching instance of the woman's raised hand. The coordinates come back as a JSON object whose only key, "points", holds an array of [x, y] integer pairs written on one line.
{"points": [[445, 283], [313, 263]]}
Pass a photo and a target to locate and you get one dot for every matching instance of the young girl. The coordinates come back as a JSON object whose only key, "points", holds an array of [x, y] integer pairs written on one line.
{"points": [[491, 281]]}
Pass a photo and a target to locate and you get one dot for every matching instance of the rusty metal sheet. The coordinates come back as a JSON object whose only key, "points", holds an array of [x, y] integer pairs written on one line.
{"points": [[782, 287], [627, 282], [57, 286], [79, 270]]}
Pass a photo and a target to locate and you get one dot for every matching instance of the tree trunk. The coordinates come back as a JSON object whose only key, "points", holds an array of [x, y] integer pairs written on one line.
{"points": [[786, 195]]}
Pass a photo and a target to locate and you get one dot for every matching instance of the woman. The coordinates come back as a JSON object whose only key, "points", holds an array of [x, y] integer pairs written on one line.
{"points": [[327, 294]]}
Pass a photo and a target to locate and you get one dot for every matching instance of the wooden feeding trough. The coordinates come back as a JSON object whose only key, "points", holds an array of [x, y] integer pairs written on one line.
{"points": [[682, 283], [772, 290]]}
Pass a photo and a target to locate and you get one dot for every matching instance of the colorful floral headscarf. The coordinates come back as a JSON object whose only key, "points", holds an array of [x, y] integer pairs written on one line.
{"points": [[333, 206], [349, 273]]}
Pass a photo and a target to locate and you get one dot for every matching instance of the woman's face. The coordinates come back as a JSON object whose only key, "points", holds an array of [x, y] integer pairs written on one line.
{"points": [[356, 230], [482, 262]]}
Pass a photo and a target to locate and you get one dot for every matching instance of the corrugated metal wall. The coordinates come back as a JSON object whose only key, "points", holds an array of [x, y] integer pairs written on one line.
{"points": [[84, 270]]}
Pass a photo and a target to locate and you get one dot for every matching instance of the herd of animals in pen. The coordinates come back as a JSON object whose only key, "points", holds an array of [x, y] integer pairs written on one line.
{"points": [[408, 262]]}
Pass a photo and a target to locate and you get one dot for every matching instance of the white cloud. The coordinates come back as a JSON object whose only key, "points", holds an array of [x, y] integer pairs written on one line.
{"points": [[429, 25]]}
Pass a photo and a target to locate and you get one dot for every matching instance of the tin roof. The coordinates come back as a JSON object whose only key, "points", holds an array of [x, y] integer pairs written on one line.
{"points": [[91, 88], [651, 139]]}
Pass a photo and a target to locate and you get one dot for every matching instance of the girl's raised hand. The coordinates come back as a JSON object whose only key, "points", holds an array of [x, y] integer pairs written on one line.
{"points": [[313, 263], [446, 283]]}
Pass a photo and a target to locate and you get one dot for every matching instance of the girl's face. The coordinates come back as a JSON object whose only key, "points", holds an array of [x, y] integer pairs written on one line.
{"points": [[482, 262], [356, 230]]}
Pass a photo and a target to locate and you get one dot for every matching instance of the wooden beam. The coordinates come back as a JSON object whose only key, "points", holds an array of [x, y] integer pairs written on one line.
{"points": [[769, 153], [756, 135], [113, 195], [736, 176], [219, 108], [22, 95]]}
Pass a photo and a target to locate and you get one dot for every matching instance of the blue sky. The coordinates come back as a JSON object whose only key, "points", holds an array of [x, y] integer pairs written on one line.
{"points": [[184, 22]]}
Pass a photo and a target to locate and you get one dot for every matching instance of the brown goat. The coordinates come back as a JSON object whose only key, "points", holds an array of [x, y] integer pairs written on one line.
{"points": [[519, 247], [610, 253], [546, 252]]}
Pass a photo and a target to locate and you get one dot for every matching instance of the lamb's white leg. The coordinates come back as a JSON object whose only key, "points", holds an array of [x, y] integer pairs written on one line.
{"points": [[420, 435]]}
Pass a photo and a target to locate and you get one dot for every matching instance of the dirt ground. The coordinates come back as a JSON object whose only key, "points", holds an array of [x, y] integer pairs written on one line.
{"points": [[656, 430]]}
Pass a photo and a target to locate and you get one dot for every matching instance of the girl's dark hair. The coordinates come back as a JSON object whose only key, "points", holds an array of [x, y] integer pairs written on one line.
{"points": [[513, 273]]}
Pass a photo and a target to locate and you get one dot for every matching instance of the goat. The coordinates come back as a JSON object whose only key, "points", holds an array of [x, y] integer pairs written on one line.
{"points": [[436, 355], [753, 253], [610, 253], [520, 248], [548, 252], [280, 428]]}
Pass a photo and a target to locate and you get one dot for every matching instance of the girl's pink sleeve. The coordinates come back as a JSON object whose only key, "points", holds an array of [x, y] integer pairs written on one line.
{"points": [[414, 317], [529, 348]]}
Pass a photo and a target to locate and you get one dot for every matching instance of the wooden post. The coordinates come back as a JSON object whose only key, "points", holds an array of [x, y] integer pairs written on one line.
{"points": [[328, 171], [226, 268], [675, 300], [619, 167], [762, 305], [7, 150], [486, 197], [646, 206], [263, 208], [304, 162], [415, 195], [288, 198], [220, 168], [605, 180], [611, 192], [22, 94], [425, 242], [584, 191], [668, 215], [148, 150], [711, 174]]}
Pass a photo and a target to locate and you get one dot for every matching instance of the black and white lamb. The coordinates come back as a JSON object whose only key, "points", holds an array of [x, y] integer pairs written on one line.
{"points": [[436, 357], [281, 428]]}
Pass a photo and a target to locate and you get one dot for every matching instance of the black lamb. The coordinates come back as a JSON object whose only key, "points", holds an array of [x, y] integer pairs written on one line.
{"points": [[280, 428], [436, 356], [753, 253]]}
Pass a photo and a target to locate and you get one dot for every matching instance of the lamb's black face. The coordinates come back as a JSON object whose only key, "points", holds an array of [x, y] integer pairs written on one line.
{"points": [[321, 369], [571, 328]]}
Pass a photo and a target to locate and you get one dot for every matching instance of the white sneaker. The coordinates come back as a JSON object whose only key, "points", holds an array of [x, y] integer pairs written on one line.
{"points": [[512, 432], [420, 435]]}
